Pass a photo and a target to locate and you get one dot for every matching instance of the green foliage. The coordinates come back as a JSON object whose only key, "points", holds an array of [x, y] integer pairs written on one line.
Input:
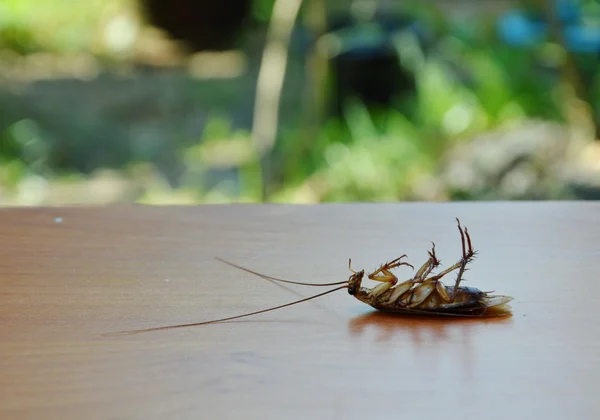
{"points": [[467, 84], [262, 9], [65, 26]]}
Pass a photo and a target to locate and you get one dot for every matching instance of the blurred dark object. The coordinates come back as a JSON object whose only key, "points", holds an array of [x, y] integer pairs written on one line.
{"points": [[203, 25], [364, 59]]}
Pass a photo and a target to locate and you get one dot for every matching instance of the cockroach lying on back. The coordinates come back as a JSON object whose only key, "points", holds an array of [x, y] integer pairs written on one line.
{"points": [[423, 294]]}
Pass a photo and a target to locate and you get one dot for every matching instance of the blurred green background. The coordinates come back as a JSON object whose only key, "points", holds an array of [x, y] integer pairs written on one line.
{"points": [[183, 102]]}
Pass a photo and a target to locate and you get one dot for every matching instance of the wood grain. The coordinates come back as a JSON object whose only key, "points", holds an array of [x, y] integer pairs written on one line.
{"points": [[69, 275]]}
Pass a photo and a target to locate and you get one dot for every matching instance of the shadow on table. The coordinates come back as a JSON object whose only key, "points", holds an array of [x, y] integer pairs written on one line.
{"points": [[421, 329]]}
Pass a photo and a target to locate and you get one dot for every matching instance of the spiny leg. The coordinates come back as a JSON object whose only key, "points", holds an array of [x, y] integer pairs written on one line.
{"points": [[383, 274], [428, 267], [467, 256], [419, 277], [415, 296]]}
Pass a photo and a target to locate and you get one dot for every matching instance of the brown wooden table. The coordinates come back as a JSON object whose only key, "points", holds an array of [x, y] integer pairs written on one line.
{"points": [[69, 275]]}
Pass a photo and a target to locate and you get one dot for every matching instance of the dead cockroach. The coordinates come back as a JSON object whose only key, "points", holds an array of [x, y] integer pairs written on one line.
{"points": [[423, 294]]}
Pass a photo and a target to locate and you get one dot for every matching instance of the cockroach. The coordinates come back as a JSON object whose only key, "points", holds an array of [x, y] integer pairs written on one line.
{"points": [[423, 294]]}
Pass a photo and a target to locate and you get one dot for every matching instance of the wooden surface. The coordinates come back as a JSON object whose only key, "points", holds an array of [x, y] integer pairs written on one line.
{"points": [[69, 275]]}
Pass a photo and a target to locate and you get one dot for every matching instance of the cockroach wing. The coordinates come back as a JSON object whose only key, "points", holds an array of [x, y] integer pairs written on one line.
{"points": [[496, 300]]}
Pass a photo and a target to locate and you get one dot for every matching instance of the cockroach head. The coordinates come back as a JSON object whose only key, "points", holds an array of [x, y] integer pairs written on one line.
{"points": [[355, 279]]}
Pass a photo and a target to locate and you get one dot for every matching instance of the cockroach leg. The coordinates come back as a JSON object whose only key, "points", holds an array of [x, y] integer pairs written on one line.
{"points": [[420, 293], [384, 275], [423, 271], [428, 267], [443, 292], [434, 260], [350, 265], [467, 256]]}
